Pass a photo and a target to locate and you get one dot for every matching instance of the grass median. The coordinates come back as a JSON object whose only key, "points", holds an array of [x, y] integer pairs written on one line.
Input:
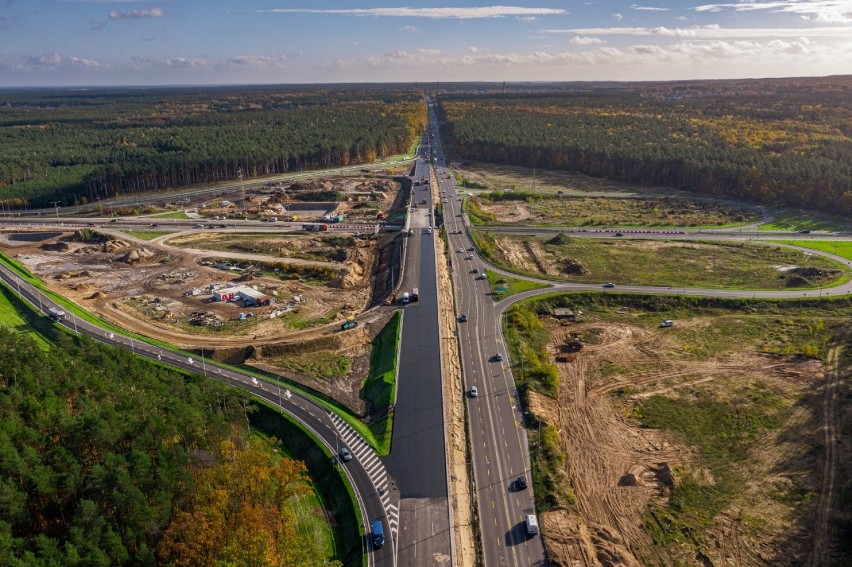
{"points": [[379, 388]]}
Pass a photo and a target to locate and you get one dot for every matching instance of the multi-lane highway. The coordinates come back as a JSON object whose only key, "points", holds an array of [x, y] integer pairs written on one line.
{"points": [[497, 438]]}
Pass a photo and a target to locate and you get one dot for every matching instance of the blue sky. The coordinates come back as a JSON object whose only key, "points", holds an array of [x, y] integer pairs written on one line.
{"points": [[150, 42]]}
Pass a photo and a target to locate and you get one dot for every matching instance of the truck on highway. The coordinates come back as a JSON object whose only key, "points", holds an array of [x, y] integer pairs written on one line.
{"points": [[56, 314], [405, 298], [532, 524], [415, 294], [349, 324]]}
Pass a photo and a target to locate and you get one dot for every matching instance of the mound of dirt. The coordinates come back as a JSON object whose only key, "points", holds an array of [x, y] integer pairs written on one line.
{"points": [[135, 256], [115, 245], [560, 239], [59, 246], [245, 278], [312, 186], [573, 267], [97, 295], [808, 275]]}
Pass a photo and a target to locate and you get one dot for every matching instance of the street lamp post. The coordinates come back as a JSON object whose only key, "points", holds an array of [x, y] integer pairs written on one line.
{"points": [[56, 207]]}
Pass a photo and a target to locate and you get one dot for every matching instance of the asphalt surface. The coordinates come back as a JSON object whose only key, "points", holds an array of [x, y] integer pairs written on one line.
{"points": [[367, 475], [497, 438], [417, 459]]}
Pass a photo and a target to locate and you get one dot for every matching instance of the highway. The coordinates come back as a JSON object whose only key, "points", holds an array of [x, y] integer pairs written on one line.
{"points": [[366, 473], [417, 459], [498, 440]]}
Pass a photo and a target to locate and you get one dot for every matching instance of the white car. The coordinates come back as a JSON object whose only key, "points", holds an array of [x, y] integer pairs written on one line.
{"points": [[473, 392], [667, 323]]}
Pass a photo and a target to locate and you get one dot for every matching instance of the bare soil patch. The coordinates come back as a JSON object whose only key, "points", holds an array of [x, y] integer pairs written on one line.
{"points": [[620, 470]]}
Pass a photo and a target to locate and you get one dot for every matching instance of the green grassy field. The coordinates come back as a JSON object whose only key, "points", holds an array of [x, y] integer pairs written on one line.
{"points": [[148, 234], [15, 315], [379, 388], [841, 248], [802, 220], [513, 285], [701, 264], [322, 365], [173, 215]]}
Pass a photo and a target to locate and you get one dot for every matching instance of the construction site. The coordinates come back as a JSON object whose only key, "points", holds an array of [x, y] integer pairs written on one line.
{"points": [[241, 296]]}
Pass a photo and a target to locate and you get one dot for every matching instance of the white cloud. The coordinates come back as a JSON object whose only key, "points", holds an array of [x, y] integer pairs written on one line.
{"points": [[617, 17], [255, 61], [826, 11], [185, 62], [712, 31], [57, 60], [429, 51], [431, 13], [136, 14], [474, 49], [526, 18], [648, 8], [409, 29], [584, 40]]}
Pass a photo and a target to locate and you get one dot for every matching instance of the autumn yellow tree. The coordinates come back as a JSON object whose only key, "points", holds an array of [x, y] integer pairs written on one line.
{"points": [[239, 513]]}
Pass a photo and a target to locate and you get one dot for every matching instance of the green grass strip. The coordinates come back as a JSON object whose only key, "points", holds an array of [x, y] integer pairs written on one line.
{"points": [[379, 388], [842, 248], [503, 286]]}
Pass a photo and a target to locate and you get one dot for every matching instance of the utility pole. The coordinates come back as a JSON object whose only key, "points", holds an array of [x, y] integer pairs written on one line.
{"points": [[56, 206]]}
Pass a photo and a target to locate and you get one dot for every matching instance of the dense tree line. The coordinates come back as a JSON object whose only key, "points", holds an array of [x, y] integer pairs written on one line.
{"points": [[78, 147], [102, 453], [793, 148]]}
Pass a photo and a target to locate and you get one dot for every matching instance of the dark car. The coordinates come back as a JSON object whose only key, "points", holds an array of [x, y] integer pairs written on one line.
{"points": [[619, 234], [498, 357], [521, 483], [462, 318], [345, 455], [609, 284]]}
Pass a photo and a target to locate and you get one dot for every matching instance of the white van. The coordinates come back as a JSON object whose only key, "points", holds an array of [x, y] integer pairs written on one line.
{"points": [[532, 524]]}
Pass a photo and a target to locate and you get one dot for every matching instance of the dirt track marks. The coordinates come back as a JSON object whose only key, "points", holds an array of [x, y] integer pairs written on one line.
{"points": [[819, 554]]}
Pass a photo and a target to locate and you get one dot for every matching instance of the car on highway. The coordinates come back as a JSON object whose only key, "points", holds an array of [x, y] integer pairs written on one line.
{"points": [[619, 234], [460, 250], [153, 224], [474, 271], [474, 392], [521, 483], [428, 231], [469, 257], [463, 318], [608, 284], [497, 357], [198, 226], [377, 533], [470, 249], [482, 277], [667, 323], [91, 224], [345, 455]]}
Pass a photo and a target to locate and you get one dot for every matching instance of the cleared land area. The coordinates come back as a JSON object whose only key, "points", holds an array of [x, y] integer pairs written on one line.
{"points": [[537, 209], [719, 265], [714, 441]]}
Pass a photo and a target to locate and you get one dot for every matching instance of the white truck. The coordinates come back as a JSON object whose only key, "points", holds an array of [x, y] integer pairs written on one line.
{"points": [[56, 314], [532, 524], [415, 295]]}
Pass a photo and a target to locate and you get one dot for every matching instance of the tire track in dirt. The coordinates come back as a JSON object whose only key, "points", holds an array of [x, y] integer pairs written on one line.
{"points": [[819, 554]]}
